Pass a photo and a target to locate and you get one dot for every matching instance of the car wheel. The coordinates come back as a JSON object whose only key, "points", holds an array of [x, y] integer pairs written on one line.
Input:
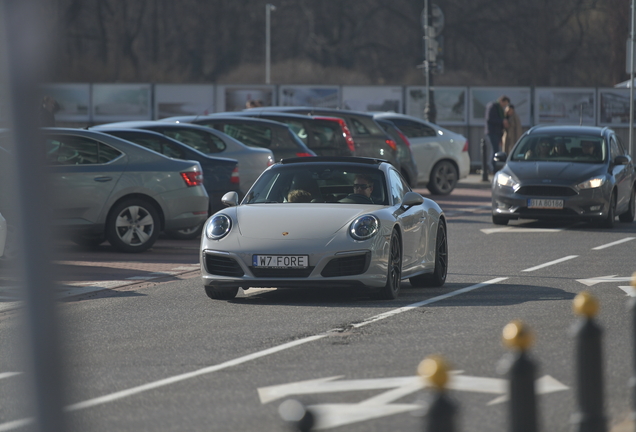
{"points": [[438, 277], [443, 179], [628, 216], [608, 222], [132, 225], [394, 272], [218, 293], [498, 220], [185, 234]]}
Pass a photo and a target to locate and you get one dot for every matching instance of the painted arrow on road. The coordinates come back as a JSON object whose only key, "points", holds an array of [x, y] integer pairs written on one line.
{"points": [[604, 279], [334, 415]]}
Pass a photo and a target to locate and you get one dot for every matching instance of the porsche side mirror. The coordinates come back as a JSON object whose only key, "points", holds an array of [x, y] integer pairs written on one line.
{"points": [[230, 199], [412, 199], [621, 160], [500, 156]]}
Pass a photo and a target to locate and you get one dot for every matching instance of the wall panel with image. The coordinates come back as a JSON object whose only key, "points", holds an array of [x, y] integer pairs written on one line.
{"points": [[308, 95], [239, 97], [553, 105], [121, 102], [372, 98], [74, 101], [450, 104], [613, 107], [183, 99], [520, 97]]}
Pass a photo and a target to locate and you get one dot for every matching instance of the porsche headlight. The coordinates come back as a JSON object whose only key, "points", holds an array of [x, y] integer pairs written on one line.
{"points": [[364, 227], [592, 183], [218, 227], [505, 180]]}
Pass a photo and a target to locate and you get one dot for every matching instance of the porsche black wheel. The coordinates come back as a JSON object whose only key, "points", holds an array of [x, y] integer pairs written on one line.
{"points": [[218, 293], [438, 277], [394, 272]]}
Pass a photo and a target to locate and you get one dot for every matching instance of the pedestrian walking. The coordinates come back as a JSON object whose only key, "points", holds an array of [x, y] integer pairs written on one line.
{"points": [[513, 131], [495, 124]]}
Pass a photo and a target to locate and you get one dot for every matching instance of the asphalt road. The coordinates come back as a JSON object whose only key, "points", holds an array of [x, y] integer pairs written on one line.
{"points": [[157, 354]]}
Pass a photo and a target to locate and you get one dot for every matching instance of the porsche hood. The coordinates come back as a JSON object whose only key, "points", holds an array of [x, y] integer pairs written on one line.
{"points": [[296, 221]]}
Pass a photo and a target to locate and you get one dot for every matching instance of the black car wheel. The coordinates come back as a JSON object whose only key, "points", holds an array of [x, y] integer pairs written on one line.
{"points": [[394, 272], [438, 277], [218, 293], [608, 222], [185, 234], [443, 178], [628, 216], [133, 225]]}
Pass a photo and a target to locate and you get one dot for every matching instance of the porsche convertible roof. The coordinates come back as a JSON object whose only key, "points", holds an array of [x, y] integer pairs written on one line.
{"points": [[349, 159]]}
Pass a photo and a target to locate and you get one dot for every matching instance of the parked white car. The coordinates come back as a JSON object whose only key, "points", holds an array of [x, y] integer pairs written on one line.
{"points": [[441, 156]]}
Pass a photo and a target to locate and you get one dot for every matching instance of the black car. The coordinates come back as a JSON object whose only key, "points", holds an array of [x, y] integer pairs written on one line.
{"points": [[268, 134], [220, 175], [369, 137], [326, 136], [565, 172]]}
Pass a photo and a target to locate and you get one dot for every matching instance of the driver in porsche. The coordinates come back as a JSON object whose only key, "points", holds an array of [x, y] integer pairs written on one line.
{"points": [[363, 185]]}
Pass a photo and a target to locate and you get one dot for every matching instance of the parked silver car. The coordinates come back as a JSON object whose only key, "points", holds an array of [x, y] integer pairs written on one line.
{"points": [[252, 160], [110, 189]]}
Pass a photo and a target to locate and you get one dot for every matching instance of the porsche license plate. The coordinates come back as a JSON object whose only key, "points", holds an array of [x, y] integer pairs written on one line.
{"points": [[280, 261], [545, 204]]}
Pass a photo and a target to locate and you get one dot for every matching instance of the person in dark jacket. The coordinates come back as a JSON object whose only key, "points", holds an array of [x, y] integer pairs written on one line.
{"points": [[47, 111], [495, 124]]}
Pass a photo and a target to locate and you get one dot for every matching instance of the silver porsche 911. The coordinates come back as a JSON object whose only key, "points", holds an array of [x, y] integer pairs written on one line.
{"points": [[325, 222]]}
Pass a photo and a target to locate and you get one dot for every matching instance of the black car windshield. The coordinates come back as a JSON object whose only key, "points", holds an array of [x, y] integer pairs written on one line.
{"points": [[560, 148], [319, 183]]}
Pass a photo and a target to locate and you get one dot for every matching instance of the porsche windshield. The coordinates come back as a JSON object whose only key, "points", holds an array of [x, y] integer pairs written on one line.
{"points": [[555, 148], [320, 183]]}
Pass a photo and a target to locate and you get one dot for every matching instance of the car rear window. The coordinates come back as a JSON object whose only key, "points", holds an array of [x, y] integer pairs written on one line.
{"points": [[157, 143], [205, 142], [78, 150]]}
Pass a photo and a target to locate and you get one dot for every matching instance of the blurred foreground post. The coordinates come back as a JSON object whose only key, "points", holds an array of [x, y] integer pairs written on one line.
{"points": [[632, 380], [522, 416], [23, 62], [441, 412], [294, 413], [589, 367]]}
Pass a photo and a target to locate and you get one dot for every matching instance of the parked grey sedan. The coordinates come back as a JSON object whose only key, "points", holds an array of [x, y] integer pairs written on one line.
{"points": [[109, 188], [565, 172]]}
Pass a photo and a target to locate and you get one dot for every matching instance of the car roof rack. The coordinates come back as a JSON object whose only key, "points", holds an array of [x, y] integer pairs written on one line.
{"points": [[350, 159]]}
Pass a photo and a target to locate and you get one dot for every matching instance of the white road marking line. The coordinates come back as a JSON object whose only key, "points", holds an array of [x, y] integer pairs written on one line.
{"points": [[604, 279], [626, 239], [8, 374], [629, 290], [240, 360], [193, 267], [560, 260], [519, 230]]}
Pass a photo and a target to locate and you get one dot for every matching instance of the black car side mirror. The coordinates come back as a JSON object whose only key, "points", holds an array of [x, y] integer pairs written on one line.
{"points": [[500, 156], [621, 160]]}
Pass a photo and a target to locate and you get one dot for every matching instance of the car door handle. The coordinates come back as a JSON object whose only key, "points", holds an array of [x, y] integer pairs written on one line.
{"points": [[102, 179]]}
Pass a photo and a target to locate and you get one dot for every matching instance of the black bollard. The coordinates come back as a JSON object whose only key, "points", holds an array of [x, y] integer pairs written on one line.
{"points": [[522, 413], [440, 416], [297, 416], [484, 160], [589, 367]]}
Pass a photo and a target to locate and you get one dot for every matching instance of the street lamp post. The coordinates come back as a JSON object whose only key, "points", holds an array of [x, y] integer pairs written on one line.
{"points": [[268, 10]]}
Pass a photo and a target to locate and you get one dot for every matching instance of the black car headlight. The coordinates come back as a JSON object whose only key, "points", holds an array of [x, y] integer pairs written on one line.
{"points": [[503, 179], [364, 227], [218, 227], [592, 183]]}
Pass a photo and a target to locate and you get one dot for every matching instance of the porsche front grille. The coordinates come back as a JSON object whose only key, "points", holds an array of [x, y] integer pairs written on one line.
{"points": [[346, 266], [222, 266], [281, 273]]}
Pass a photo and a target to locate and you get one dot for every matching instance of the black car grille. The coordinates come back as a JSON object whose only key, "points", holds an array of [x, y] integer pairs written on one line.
{"points": [[346, 266], [281, 272], [222, 266], [546, 191], [526, 212]]}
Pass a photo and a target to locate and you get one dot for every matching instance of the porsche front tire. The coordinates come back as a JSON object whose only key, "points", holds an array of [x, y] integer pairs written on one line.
{"points": [[218, 293], [391, 290], [438, 277]]}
